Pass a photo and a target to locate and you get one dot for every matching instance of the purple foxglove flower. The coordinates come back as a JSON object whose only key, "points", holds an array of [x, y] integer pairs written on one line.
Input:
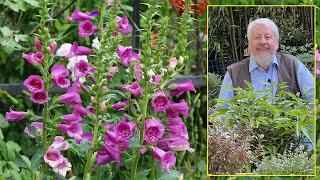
{"points": [[179, 143], [53, 47], [113, 141], [176, 108], [39, 97], [53, 157], [87, 28], [135, 89], [126, 55], [183, 87], [107, 154], [14, 115], [61, 81], [90, 109], [172, 63], [34, 83], [87, 136], [113, 70], [123, 24], [37, 125], [37, 43], [73, 130], [69, 118], [160, 102], [120, 105], [156, 79], [59, 143], [79, 108], [124, 87], [111, 1], [64, 49], [71, 96], [63, 167], [78, 16], [33, 58], [77, 86], [153, 130], [177, 127], [137, 72], [166, 159], [124, 130], [59, 70], [163, 144], [78, 50], [82, 68], [94, 13]]}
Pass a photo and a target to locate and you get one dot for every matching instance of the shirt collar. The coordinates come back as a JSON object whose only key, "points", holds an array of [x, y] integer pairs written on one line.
{"points": [[253, 65]]}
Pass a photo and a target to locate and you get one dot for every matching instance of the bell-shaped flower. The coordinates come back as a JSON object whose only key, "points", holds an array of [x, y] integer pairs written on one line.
{"points": [[137, 72], [61, 81], [87, 136], [37, 43], [135, 89], [14, 115], [63, 167], [73, 130], [107, 154], [34, 83], [59, 143], [82, 68], [183, 87], [53, 47], [79, 108], [87, 28], [160, 102], [172, 63], [156, 79], [179, 143], [69, 118], [33, 58], [53, 157], [123, 24], [126, 55], [153, 130], [59, 72], [37, 125], [71, 96], [39, 97], [163, 144], [78, 16], [120, 105], [111, 139], [112, 71], [176, 108], [64, 49], [124, 130], [78, 50], [177, 127], [94, 13], [166, 159]]}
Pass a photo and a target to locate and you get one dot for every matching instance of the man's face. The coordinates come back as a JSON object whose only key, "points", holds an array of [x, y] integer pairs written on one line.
{"points": [[263, 43]]}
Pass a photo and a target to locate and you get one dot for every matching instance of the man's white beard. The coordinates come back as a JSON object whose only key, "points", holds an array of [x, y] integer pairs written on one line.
{"points": [[264, 60]]}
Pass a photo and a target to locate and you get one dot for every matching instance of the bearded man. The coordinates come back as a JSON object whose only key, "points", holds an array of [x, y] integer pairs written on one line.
{"points": [[266, 67]]}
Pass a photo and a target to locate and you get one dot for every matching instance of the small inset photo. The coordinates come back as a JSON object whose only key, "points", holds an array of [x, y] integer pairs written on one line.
{"points": [[261, 85]]}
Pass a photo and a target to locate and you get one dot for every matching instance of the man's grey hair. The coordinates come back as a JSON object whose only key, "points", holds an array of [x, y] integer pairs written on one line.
{"points": [[264, 21]]}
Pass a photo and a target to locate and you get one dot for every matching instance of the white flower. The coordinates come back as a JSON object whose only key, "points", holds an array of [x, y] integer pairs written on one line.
{"points": [[72, 62], [96, 43], [64, 49]]}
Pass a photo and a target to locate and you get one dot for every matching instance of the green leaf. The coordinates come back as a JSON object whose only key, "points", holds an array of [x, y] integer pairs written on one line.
{"points": [[26, 174], [6, 31], [308, 134], [33, 3], [35, 160], [23, 161], [142, 174], [17, 5], [172, 176], [22, 37], [14, 166], [202, 166], [10, 45], [35, 118], [15, 175], [12, 148], [3, 150]]}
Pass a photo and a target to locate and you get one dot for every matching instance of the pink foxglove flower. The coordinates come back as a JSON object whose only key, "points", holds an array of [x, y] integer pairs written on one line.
{"points": [[176, 108], [156, 79], [94, 13], [166, 159], [183, 87], [82, 68], [160, 102], [14, 115], [53, 157], [78, 16], [87, 28], [135, 89], [73, 130], [39, 97], [53, 47], [78, 50], [63, 167], [61, 81], [106, 155], [37, 125], [79, 108], [172, 63], [115, 142], [87, 136], [137, 72], [34, 83], [71, 96], [59, 72], [153, 130], [177, 127], [69, 118], [64, 49], [179, 143], [120, 105], [59, 143], [37, 43], [126, 55], [113, 70], [124, 130], [33, 58], [123, 24]]}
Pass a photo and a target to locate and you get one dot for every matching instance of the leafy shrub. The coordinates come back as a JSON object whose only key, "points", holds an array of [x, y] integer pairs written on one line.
{"points": [[214, 82]]}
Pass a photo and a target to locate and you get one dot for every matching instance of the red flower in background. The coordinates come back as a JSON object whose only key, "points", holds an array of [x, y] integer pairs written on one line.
{"points": [[179, 5]]}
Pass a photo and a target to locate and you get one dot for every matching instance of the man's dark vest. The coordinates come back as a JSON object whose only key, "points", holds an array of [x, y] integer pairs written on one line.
{"points": [[287, 72]]}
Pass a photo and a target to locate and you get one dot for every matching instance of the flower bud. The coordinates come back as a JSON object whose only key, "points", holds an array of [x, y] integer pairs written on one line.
{"points": [[172, 63], [53, 47], [37, 43]]}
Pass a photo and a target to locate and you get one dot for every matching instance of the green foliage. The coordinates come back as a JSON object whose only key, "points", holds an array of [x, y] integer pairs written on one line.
{"points": [[214, 82]]}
